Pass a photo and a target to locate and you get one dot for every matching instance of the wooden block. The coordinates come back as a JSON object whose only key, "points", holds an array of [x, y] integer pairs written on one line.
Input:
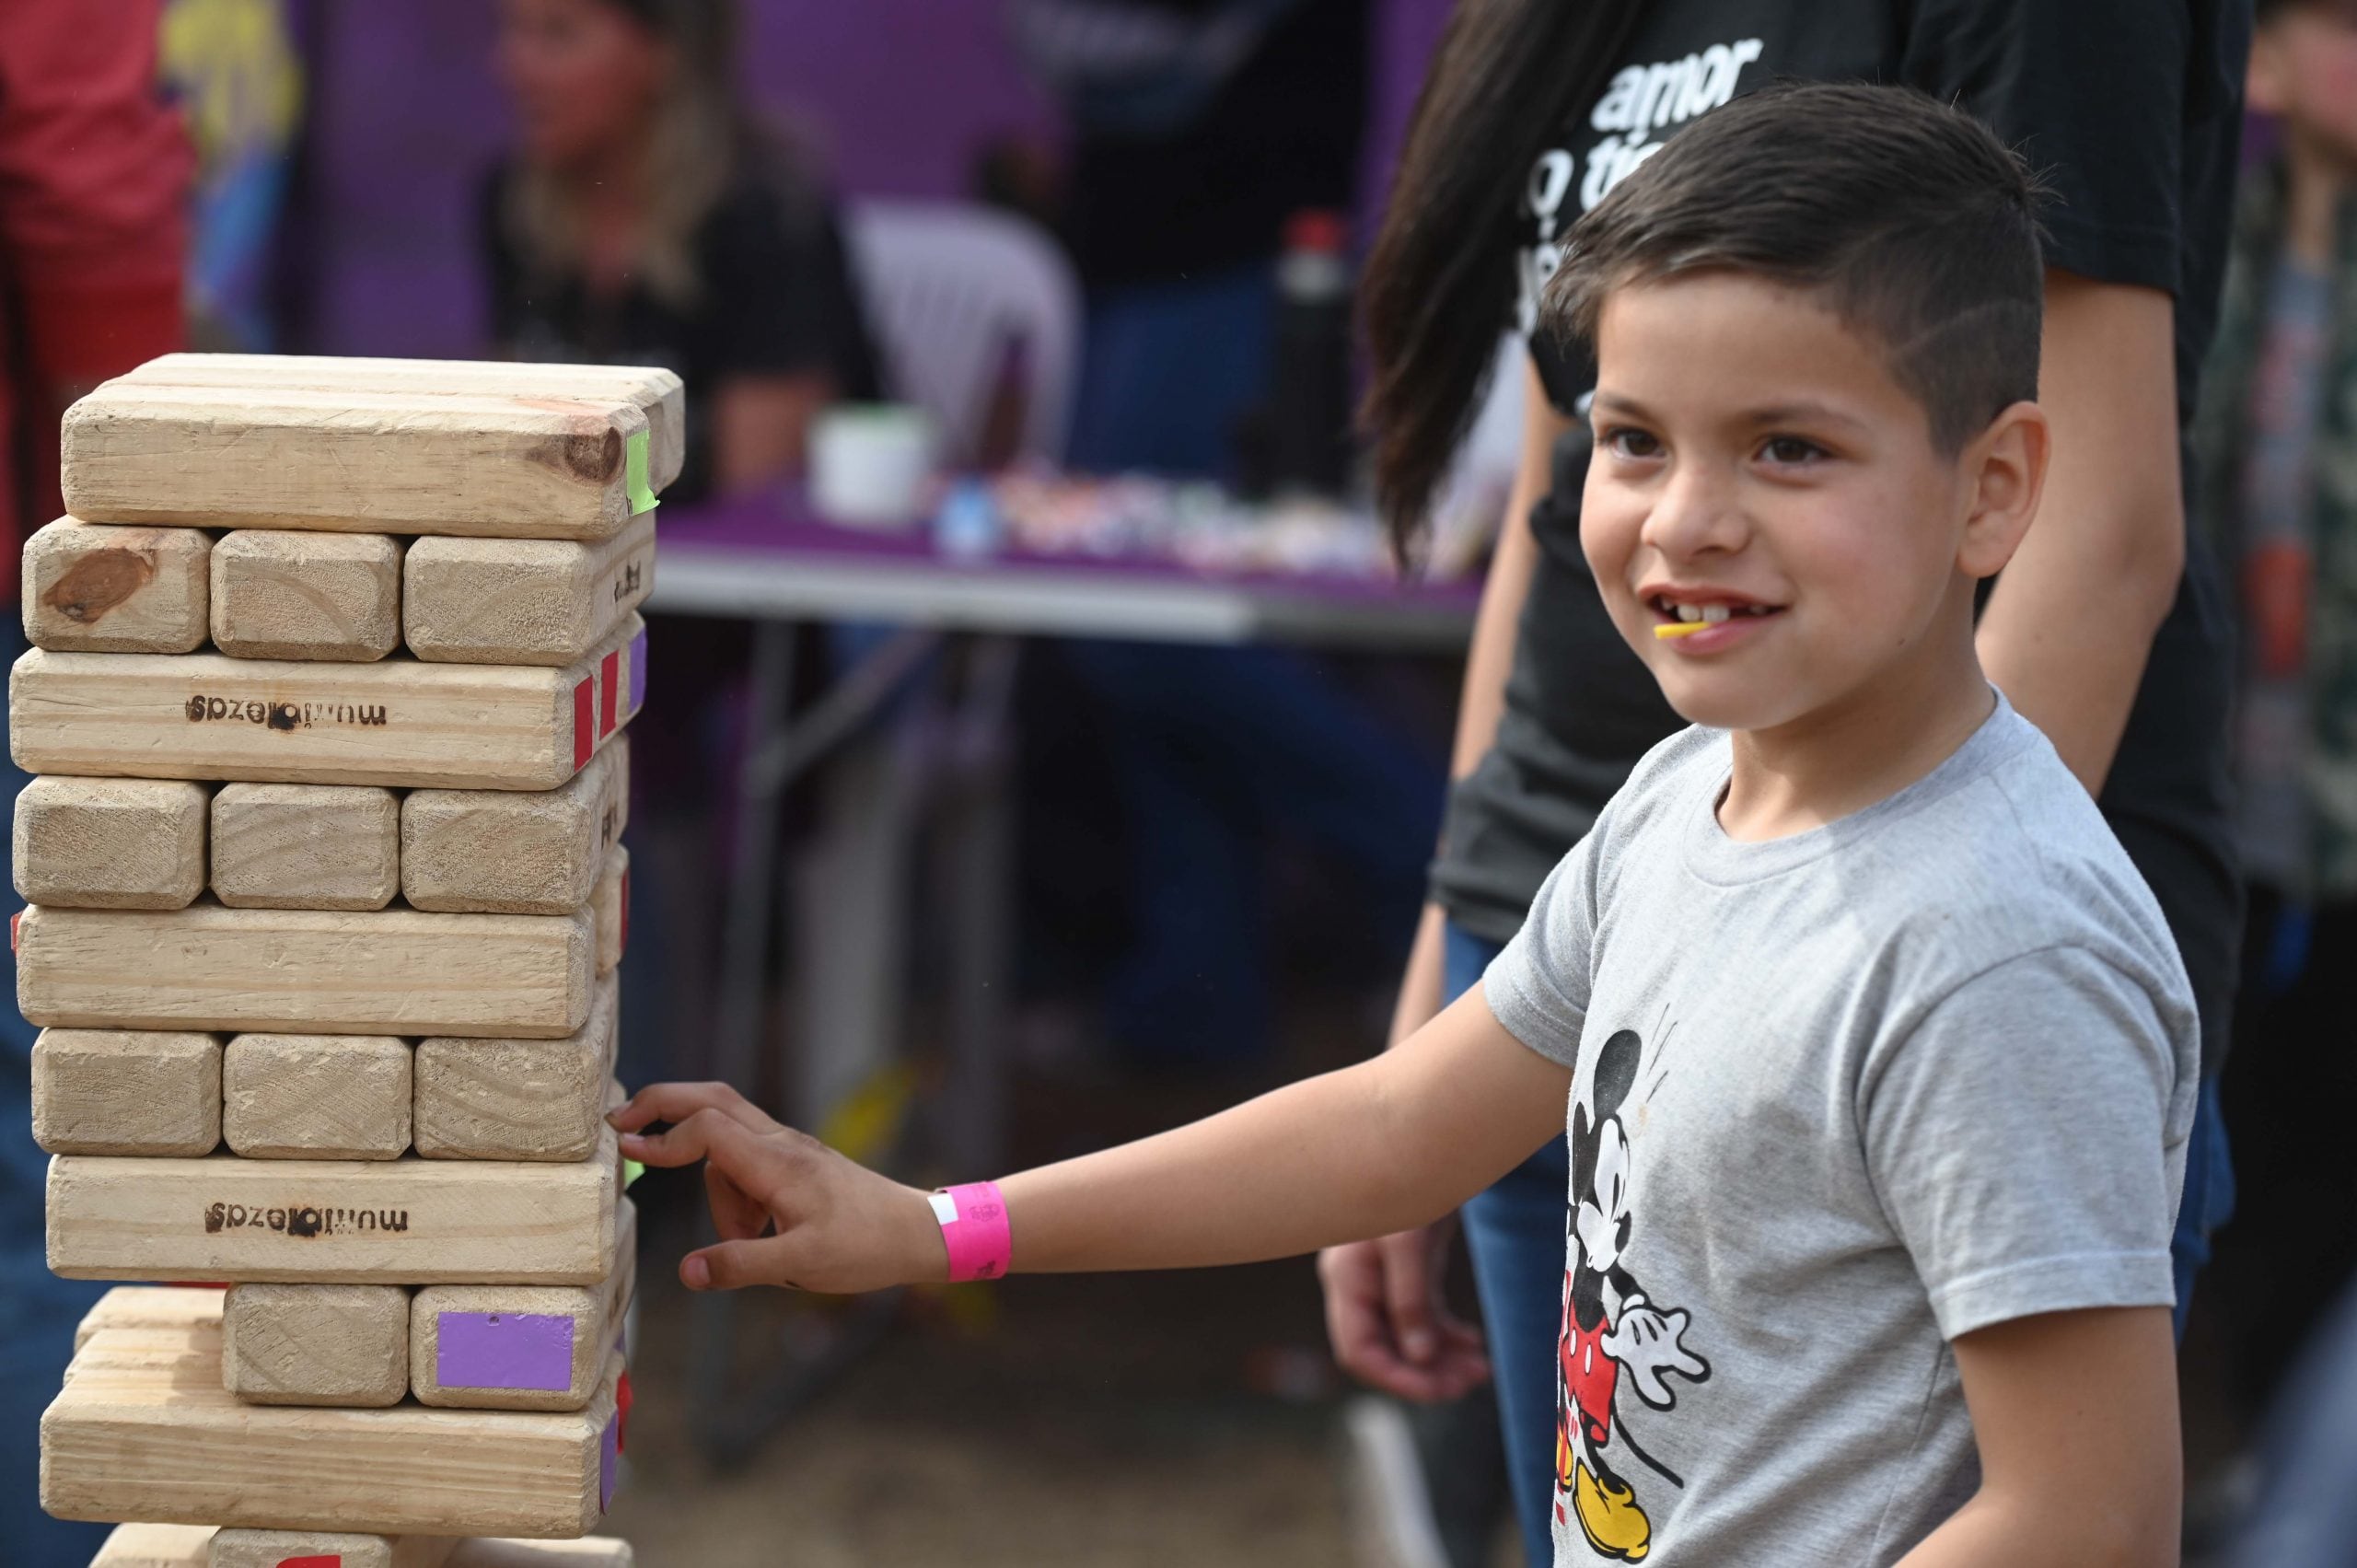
{"points": [[306, 971], [157, 1546], [657, 391], [613, 908], [508, 852], [399, 722], [327, 1548], [180, 1354], [286, 1344], [522, 601], [306, 846], [287, 593], [589, 1551], [152, 1306], [109, 844], [523, 1100], [190, 1545], [333, 1222], [91, 588], [507, 1347], [126, 1092], [316, 1096], [162, 1444], [505, 467], [489, 1360]]}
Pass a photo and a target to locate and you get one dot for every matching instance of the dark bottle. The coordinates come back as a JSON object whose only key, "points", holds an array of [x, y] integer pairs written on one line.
{"points": [[1309, 383]]}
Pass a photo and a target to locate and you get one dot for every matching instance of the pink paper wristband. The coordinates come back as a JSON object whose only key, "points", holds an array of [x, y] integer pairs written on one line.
{"points": [[974, 1228]]}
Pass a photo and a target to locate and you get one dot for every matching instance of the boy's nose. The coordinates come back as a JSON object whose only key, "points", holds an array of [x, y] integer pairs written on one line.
{"points": [[1696, 513]]}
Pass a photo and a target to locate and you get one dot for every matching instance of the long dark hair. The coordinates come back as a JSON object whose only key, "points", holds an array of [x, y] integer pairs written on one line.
{"points": [[1439, 283]]}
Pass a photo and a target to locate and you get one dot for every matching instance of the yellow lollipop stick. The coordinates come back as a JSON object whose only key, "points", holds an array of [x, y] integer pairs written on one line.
{"points": [[1670, 629]]}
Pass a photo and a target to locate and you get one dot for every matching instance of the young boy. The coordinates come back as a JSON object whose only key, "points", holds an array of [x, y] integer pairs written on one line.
{"points": [[1877, 1056]]}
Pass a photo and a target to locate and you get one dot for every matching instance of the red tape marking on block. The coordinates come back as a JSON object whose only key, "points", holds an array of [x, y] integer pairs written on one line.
{"points": [[610, 681], [326, 1560], [621, 1413], [585, 723]]}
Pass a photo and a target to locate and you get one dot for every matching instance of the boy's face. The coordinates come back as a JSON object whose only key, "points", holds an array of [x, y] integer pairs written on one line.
{"points": [[1756, 461]]}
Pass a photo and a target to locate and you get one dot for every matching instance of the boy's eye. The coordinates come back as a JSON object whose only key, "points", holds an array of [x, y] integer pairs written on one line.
{"points": [[1625, 442], [1791, 451]]}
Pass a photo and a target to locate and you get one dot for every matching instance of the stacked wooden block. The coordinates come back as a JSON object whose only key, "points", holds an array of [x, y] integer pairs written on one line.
{"points": [[329, 673]]}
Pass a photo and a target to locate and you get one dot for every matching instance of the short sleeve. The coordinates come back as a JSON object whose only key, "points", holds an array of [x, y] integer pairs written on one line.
{"points": [[2094, 94], [776, 270], [1538, 986], [2026, 1137]]}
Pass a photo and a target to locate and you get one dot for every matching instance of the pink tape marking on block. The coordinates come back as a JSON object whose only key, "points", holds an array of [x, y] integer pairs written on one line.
{"points": [[974, 1228], [584, 722]]}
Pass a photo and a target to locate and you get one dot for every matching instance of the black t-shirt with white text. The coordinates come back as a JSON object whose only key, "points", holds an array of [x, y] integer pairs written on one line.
{"points": [[2131, 110]]}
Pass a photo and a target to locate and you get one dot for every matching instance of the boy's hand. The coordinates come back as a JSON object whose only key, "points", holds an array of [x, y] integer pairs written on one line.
{"points": [[790, 1210]]}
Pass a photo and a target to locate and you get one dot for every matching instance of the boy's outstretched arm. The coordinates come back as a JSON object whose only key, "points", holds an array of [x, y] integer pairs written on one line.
{"points": [[1390, 1142], [2076, 1420]]}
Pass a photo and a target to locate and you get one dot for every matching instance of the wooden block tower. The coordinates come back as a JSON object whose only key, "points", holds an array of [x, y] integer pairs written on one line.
{"points": [[330, 667]]}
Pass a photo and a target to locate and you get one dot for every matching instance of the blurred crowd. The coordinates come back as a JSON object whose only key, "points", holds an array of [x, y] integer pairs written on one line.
{"points": [[247, 174]]}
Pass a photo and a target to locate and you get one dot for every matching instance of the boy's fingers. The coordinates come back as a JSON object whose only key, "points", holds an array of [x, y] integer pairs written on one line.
{"points": [[677, 1102], [732, 1265], [736, 1214], [754, 1164], [1408, 1293]]}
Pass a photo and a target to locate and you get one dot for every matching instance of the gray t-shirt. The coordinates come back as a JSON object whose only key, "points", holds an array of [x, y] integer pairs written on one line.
{"points": [[1836, 1098]]}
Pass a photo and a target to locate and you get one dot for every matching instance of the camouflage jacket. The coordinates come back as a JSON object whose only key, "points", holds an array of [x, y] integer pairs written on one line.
{"points": [[2220, 441]]}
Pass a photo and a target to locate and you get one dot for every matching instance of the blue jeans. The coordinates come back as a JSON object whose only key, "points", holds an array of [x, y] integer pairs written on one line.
{"points": [[38, 1311], [1515, 1234]]}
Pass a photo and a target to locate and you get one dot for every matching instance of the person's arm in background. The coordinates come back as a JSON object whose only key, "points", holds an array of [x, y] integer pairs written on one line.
{"points": [[94, 178], [2071, 621], [1384, 1311], [760, 426]]}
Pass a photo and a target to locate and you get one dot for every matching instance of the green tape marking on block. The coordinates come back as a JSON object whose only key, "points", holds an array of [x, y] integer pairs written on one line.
{"points": [[632, 1171], [641, 495]]}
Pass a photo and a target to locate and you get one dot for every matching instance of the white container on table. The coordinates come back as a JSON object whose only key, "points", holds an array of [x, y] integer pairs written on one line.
{"points": [[871, 465]]}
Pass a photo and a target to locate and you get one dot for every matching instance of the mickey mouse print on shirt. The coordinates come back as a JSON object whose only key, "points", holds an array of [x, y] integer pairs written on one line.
{"points": [[1610, 1327]]}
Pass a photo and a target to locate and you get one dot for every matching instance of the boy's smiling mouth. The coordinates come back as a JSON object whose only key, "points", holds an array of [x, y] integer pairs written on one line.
{"points": [[1683, 614]]}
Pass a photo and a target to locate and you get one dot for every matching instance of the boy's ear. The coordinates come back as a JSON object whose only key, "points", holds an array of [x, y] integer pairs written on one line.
{"points": [[2005, 467]]}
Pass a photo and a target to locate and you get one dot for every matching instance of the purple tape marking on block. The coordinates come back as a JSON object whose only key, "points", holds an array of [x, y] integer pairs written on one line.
{"points": [[504, 1350], [637, 671], [609, 1460]]}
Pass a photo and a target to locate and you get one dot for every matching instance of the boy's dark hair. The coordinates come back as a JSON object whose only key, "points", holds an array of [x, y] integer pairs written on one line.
{"points": [[1916, 225]]}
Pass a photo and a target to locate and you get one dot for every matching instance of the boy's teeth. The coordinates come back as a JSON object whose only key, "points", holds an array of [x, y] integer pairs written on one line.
{"points": [[1714, 613], [1688, 612]]}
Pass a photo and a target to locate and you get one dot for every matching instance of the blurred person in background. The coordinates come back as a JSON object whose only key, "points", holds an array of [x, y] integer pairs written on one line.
{"points": [[1200, 128], [2279, 494], [2108, 630], [94, 182], [646, 219]]}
